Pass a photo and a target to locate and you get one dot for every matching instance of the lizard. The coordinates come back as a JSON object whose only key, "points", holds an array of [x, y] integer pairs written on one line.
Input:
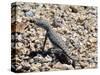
{"points": [[55, 39]]}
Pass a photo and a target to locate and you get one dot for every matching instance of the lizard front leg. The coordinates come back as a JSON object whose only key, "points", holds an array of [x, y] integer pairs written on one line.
{"points": [[44, 42]]}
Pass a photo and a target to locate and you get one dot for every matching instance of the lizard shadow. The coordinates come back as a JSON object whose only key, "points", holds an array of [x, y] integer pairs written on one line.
{"points": [[56, 54]]}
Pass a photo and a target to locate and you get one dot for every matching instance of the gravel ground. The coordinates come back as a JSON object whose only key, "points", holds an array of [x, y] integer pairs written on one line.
{"points": [[76, 24]]}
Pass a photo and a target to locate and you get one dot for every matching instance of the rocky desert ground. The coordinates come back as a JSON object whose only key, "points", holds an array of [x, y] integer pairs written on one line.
{"points": [[77, 26]]}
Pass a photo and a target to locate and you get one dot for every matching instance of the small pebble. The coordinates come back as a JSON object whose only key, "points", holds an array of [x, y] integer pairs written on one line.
{"points": [[29, 14]]}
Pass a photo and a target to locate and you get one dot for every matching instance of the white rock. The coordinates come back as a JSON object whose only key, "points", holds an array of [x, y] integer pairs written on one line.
{"points": [[48, 58], [19, 67], [92, 39], [63, 66]]}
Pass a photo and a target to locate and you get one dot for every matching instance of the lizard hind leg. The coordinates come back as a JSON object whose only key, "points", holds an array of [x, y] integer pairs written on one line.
{"points": [[59, 56], [63, 58]]}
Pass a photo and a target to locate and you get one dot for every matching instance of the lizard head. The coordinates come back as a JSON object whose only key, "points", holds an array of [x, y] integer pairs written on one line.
{"points": [[41, 23]]}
